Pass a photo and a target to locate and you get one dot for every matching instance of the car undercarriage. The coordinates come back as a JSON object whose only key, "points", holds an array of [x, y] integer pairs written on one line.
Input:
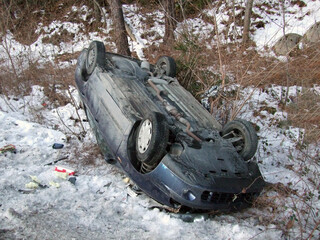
{"points": [[170, 146]]}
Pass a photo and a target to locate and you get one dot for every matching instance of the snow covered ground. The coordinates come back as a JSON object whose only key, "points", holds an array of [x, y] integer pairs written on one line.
{"points": [[100, 205]]}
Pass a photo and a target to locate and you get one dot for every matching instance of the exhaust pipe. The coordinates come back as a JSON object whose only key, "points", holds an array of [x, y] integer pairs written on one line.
{"points": [[174, 112]]}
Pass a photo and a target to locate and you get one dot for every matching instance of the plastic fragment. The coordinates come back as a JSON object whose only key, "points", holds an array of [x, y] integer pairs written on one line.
{"points": [[35, 179], [234, 197], [23, 191], [32, 185], [70, 172], [8, 148], [136, 189], [131, 193], [63, 175], [63, 172], [58, 160], [72, 180], [126, 180], [54, 184], [57, 146]]}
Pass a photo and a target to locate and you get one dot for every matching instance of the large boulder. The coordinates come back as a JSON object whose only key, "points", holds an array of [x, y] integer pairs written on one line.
{"points": [[287, 43], [313, 34]]}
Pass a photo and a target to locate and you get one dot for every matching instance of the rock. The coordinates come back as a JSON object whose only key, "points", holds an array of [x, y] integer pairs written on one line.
{"points": [[287, 43], [312, 35]]}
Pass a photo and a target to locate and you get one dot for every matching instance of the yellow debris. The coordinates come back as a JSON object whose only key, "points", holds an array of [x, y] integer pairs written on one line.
{"points": [[54, 184], [126, 180], [32, 185], [63, 175]]}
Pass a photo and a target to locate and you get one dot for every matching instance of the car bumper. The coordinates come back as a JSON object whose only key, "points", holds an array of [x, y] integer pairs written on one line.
{"points": [[224, 194]]}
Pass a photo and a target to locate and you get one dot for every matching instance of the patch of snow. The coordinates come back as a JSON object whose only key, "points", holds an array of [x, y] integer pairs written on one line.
{"points": [[297, 20], [98, 204]]}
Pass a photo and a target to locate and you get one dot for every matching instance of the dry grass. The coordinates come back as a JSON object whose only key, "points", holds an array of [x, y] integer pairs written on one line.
{"points": [[22, 18], [246, 67], [90, 155], [292, 212], [57, 38], [304, 112], [48, 76]]}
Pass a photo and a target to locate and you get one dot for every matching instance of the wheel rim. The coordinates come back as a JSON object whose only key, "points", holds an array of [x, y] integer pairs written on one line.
{"points": [[163, 67], [91, 56], [236, 138], [144, 136]]}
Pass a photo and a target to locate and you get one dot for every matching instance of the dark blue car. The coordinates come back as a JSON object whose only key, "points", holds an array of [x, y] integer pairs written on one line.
{"points": [[168, 144]]}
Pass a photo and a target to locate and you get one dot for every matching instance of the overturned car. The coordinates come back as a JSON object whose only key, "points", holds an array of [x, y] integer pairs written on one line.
{"points": [[146, 123]]}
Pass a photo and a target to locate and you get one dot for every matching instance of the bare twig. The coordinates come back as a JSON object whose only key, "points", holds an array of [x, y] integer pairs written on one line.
{"points": [[222, 70], [313, 230], [61, 120], [76, 108]]}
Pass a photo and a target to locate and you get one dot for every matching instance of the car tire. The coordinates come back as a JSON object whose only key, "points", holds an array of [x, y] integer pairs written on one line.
{"points": [[152, 139], [82, 65], [246, 146], [96, 56], [167, 66]]}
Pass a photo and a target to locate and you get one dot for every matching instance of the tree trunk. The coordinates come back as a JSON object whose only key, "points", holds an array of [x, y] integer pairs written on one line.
{"points": [[121, 39], [170, 22], [246, 25]]}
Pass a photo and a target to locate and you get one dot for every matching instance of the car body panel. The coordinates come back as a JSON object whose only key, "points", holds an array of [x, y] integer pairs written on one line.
{"points": [[207, 175]]}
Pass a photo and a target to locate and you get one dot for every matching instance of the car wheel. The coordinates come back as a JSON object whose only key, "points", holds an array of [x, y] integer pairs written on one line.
{"points": [[152, 139], [243, 137], [83, 64], [167, 66], [96, 56]]}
